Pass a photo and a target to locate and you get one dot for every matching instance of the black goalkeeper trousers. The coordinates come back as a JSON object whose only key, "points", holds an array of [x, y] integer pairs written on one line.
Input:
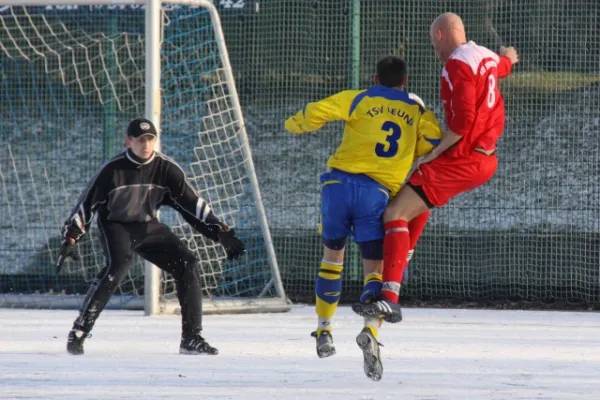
{"points": [[156, 243]]}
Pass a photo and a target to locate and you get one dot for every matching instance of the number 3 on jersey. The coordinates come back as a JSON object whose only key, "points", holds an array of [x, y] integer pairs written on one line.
{"points": [[392, 140]]}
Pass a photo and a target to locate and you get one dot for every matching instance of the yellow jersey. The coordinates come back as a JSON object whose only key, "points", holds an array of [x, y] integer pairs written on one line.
{"points": [[385, 130]]}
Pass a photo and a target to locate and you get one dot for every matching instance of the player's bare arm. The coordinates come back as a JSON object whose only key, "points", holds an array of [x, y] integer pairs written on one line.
{"points": [[450, 139]]}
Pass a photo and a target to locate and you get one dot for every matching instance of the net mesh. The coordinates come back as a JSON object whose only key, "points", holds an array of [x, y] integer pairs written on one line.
{"points": [[72, 78], [530, 234]]}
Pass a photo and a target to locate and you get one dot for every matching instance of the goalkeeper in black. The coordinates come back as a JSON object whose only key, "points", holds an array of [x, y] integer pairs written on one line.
{"points": [[126, 194]]}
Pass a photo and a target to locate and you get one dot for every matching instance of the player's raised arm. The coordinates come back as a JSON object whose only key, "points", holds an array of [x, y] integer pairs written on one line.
{"points": [[317, 114], [197, 212], [508, 57]]}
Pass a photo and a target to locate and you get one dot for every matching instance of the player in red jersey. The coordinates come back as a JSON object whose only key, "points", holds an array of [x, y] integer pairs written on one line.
{"points": [[464, 159]]}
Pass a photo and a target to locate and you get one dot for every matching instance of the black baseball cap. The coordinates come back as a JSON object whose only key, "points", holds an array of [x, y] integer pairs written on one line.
{"points": [[140, 127]]}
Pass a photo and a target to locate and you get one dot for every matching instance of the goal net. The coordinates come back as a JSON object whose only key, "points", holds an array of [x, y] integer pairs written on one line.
{"points": [[72, 76]]}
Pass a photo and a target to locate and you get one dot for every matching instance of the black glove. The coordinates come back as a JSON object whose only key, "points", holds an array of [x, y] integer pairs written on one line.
{"points": [[67, 249], [233, 246]]}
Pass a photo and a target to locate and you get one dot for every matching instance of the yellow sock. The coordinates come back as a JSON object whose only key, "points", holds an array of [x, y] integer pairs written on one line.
{"points": [[373, 324], [328, 289], [373, 276]]}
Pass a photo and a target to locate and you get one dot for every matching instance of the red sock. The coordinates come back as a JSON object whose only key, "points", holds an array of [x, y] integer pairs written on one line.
{"points": [[395, 249], [416, 226]]}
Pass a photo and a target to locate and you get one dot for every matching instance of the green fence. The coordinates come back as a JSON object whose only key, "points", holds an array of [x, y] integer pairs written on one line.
{"points": [[531, 234]]}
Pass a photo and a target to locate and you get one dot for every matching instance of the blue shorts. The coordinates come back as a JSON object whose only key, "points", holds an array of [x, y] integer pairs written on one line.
{"points": [[352, 203]]}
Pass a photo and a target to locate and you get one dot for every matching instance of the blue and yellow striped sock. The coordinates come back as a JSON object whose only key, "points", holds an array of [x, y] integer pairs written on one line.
{"points": [[373, 284], [372, 287], [328, 289]]}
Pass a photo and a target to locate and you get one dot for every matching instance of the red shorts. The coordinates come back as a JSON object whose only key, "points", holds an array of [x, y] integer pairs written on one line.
{"points": [[445, 177]]}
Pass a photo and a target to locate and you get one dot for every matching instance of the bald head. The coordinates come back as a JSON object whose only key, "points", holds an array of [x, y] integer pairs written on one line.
{"points": [[447, 33], [448, 22]]}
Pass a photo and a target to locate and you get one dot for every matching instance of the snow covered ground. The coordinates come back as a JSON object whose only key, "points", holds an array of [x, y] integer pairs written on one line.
{"points": [[432, 354]]}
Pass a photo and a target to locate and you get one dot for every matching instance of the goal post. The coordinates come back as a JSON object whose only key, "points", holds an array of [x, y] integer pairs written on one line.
{"points": [[64, 71], [153, 22]]}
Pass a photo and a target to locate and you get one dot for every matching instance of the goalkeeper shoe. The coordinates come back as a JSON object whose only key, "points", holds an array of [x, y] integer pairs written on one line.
{"points": [[381, 308], [370, 348], [75, 341], [196, 345], [325, 347]]}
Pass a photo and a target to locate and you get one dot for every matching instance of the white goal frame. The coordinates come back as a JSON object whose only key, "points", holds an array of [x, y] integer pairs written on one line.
{"points": [[152, 303]]}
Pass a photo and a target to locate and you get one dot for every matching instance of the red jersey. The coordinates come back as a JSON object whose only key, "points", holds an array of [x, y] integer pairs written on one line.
{"points": [[472, 101]]}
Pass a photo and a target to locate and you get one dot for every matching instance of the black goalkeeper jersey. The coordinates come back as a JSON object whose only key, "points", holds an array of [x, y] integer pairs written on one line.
{"points": [[128, 189]]}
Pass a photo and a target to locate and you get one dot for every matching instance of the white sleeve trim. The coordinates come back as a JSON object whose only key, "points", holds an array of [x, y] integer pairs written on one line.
{"points": [[202, 209]]}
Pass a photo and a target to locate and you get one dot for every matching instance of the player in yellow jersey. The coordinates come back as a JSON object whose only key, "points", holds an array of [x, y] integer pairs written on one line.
{"points": [[385, 130]]}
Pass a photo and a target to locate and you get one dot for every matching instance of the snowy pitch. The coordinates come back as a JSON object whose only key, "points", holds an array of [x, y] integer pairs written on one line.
{"points": [[432, 354]]}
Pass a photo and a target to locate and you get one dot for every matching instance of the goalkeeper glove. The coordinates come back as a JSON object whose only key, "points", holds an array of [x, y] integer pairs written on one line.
{"points": [[67, 249], [234, 247]]}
